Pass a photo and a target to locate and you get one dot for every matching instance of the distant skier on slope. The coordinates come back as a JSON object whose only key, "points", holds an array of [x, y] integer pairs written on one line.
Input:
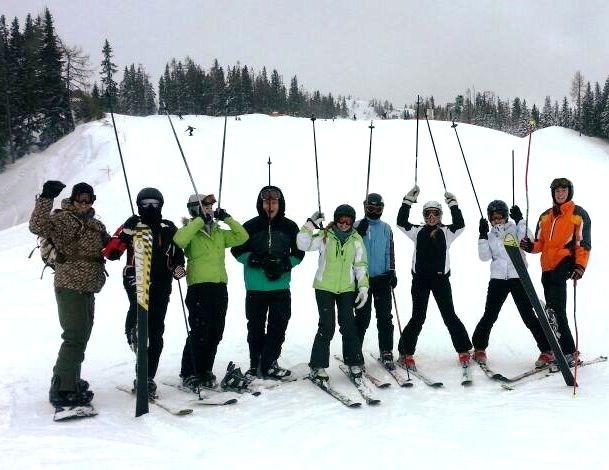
{"points": [[563, 236], [504, 278], [204, 244], [268, 257], [167, 264], [430, 273], [341, 280], [79, 238], [378, 240]]}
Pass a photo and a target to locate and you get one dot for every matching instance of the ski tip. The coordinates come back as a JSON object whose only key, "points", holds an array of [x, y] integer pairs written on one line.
{"points": [[374, 402], [355, 404], [185, 412], [437, 385], [407, 385], [467, 383]]}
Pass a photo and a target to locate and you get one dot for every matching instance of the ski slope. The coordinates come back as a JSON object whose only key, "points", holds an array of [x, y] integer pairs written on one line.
{"points": [[540, 425]]}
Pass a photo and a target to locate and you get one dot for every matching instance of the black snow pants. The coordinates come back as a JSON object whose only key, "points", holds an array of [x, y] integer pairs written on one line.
{"points": [[498, 290], [555, 291], [352, 351], [266, 338], [439, 286], [207, 304], [380, 291]]}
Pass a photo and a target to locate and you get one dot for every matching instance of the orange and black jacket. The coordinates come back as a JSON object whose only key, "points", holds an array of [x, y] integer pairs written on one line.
{"points": [[563, 231]]}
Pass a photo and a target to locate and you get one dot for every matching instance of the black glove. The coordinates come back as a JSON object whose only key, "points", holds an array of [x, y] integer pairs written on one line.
{"points": [[255, 260], [362, 228], [129, 276], [578, 272], [274, 267], [516, 214], [393, 279], [51, 189], [131, 222], [483, 228], [221, 214], [526, 244]]}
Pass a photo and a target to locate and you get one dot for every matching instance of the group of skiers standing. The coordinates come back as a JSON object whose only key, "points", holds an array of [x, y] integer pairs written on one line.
{"points": [[356, 268]]}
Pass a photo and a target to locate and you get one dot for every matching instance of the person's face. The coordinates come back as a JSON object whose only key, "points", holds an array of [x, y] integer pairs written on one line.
{"points": [[270, 206], [497, 218], [83, 203], [208, 209], [432, 217], [561, 195], [344, 223]]}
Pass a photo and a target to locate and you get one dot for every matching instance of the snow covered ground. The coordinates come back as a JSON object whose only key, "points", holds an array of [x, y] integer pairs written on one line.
{"points": [[540, 425]]}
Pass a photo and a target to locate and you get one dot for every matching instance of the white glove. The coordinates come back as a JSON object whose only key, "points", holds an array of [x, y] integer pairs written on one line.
{"points": [[450, 199], [362, 297], [317, 218], [411, 196]]}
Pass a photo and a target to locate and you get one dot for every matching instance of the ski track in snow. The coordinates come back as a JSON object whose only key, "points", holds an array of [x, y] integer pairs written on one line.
{"points": [[541, 424]]}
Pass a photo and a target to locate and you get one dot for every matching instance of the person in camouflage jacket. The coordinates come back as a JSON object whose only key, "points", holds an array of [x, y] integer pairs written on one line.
{"points": [[79, 239]]}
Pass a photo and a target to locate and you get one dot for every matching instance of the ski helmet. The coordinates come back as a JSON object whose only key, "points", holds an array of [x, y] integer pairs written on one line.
{"points": [[562, 183], [432, 205], [497, 206], [373, 206], [149, 193], [193, 203], [344, 210]]}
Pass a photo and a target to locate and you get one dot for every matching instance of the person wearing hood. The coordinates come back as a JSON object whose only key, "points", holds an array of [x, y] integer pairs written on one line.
{"points": [[167, 263], [268, 257], [378, 240], [79, 238], [342, 280], [504, 277], [204, 244], [563, 237], [430, 273]]}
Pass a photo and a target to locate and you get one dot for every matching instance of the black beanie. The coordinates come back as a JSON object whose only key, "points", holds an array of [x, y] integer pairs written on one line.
{"points": [[82, 188]]}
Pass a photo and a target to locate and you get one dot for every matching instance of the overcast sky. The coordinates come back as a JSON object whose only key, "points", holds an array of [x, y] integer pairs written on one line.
{"points": [[385, 49]]}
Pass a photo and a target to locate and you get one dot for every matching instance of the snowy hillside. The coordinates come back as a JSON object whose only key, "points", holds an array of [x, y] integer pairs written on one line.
{"points": [[540, 425]]}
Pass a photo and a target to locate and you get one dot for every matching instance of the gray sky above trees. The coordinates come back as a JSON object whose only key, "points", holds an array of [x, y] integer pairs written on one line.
{"points": [[387, 49]]}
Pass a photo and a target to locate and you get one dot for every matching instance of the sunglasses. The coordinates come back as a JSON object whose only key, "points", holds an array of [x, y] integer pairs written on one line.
{"points": [[145, 203], [430, 212], [270, 194], [85, 200], [344, 221]]}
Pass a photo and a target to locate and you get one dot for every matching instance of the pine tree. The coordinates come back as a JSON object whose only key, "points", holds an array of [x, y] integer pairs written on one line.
{"points": [[5, 126], [108, 69], [547, 114], [76, 73], [247, 91], [587, 111], [577, 93]]}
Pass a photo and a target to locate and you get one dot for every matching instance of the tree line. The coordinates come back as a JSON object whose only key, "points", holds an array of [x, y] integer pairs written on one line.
{"points": [[45, 89]]}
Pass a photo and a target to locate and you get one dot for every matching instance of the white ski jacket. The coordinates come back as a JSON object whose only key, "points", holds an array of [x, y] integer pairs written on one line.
{"points": [[493, 249]]}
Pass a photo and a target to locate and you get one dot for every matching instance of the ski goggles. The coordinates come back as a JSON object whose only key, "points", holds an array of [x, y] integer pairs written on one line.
{"points": [[145, 203], [270, 194], [373, 208], [429, 212], [344, 220]]}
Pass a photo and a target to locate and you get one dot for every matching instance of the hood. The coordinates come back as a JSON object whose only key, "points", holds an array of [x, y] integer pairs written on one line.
{"points": [[261, 212]]}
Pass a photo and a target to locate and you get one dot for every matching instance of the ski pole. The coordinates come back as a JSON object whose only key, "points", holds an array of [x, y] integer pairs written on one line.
{"points": [[269, 164], [435, 151], [397, 316], [416, 145], [188, 338], [223, 146], [316, 164], [576, 353], [371, 126], [513, 194], [526, 176], [454, 126], [120, 153], [192, 181]]}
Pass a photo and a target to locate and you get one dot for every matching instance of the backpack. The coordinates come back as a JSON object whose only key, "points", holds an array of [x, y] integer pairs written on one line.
{"points": [[49, 253]]}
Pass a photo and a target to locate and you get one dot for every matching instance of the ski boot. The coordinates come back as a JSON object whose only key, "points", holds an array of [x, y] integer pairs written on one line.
{"points": [[387, 360], [573, 359], [480, 356], [208, 380], [544, 359], [318, 373], [234, 380], [407, 360], [464, 358], [276, 373], [356, 372]]}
